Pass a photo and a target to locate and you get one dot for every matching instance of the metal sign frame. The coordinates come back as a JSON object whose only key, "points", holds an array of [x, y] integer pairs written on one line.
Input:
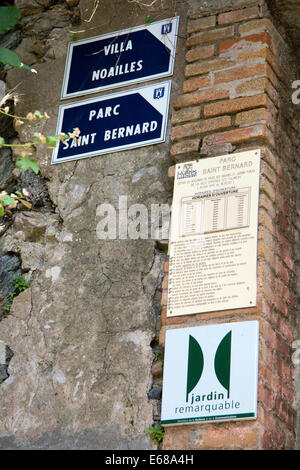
{"points": [[211, 373], [158, 93], [213, 236], [156, 28]]}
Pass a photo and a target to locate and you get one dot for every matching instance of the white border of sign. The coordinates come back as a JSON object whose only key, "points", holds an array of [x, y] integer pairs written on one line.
{"points": [[71, 45], [245, 292], [206, 401], [144, 91]]}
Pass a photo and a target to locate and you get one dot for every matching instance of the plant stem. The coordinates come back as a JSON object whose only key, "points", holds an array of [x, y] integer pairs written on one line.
{"points": [[20, 117]]}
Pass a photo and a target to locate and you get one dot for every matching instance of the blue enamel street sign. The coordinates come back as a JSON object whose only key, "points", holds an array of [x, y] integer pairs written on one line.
{"points": [[111, 123], [120, 58]]}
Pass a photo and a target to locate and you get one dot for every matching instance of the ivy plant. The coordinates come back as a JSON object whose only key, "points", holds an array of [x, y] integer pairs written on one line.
{"points": [[157, 433], [19, 285]]}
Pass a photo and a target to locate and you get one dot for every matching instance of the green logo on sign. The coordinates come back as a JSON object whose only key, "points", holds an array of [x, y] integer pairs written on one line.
{"points": [[221, 363]]}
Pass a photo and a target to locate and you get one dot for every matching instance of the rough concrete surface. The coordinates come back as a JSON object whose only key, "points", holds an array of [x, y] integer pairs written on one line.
{"points": [[81, 335]]}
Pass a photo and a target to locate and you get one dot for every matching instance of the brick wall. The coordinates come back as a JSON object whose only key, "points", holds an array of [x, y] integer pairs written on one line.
{"points": [[237, 96]]}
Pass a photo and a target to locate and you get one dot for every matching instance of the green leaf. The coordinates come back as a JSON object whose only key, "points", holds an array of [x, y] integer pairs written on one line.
{"points": [[25, 163], [8, 57], [157, 433], [52, 140], [1, 211], [9, 16], [222, 362], [195, 365], [7, 200], [2, 141], [38, 114], [149, 19]]}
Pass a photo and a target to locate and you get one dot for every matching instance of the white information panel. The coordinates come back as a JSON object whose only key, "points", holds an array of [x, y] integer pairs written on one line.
{"points": [[210, 373], [213, 240]]}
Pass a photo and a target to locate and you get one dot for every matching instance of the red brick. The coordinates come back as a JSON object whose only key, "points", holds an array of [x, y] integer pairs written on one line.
{"points": [[235, 105], [247, 87], [186, 146], [265, 253], [238, 15], [263, 38], [239, 136], [239, 73], [266, 396], [241, 436], [282, 271], [268, 171], [209, 36], [265, 220], [255, 116], [198, 68], [285, 330], [260, 26], [285, 412], [285, 371], [195, 84], [287, 260], [268, 355], [269, 157], [264, 273], [164, 284], [164, 298], [282, 346], [262, 84], [198, 97], [282, 306], [285, 292], [171, 172], [269, 377], [200, 53], [266, 441], [166, 266], [268, 333], [185, 114], [285, 225], [266, 203], [268, 188], [200, 127], [273, 438], [267, 237], [264, 53], [201, 23], [288, 393], [252, 116]]}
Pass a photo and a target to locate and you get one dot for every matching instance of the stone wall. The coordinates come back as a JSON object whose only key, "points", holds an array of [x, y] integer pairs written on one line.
{"points": [[83, 334]]}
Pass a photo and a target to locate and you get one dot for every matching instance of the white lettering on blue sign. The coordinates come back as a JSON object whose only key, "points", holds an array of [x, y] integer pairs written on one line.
{"points": [[121, 58], [100, 74], [108, 111], [111, 123], [122, 132]]}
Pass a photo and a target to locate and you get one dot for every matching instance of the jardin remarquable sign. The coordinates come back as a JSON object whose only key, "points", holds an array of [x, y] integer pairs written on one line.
{"points": [[111, 123], [121, 58], [213, 242], [210, 373]]}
